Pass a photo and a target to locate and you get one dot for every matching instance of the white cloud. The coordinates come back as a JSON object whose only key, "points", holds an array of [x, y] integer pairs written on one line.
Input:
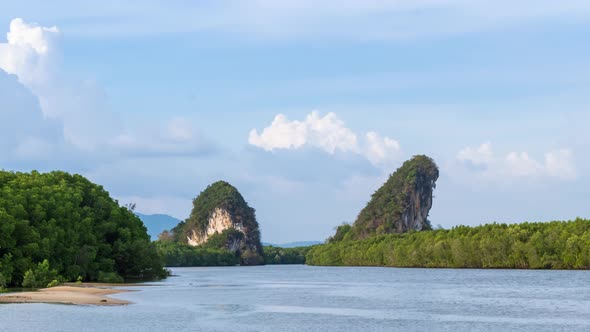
{"points": [[32, 53], [25, 134], [327, 133], [478, 156], [26, 35], [521, 164], [382, 150], [558, 163], [282, 134], [29, 52]]}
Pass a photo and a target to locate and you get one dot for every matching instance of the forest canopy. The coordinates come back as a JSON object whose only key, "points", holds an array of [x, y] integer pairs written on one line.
{"points": [[550, 245], [63, 227]]}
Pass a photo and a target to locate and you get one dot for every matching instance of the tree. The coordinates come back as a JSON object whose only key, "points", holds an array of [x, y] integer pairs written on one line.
{"points": [[72, 223], [547, 245]]}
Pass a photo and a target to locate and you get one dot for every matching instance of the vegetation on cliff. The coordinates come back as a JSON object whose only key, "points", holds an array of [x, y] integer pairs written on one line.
{"points": [[245, 242], [400, 205], [63, 227], [551, 245]]}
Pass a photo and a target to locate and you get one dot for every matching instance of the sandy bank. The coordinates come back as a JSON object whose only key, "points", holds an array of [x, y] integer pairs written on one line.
{"points": [[80, 294]]}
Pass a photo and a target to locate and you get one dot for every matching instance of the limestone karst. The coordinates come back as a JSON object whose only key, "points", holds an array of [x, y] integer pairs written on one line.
{"points": [[222, 219], [402, 203]]}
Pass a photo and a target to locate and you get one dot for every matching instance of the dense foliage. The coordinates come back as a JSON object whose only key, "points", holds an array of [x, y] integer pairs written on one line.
{"points": [[224, 240], [41, 276], [277, 255], [407, 192], [177, 254], [551, 245], [74, 225], [221, 195], [342, 232]]}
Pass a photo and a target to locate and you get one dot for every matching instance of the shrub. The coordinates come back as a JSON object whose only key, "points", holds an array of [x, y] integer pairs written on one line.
{"points": [[53, 283], [110, 277], [41, 276]]}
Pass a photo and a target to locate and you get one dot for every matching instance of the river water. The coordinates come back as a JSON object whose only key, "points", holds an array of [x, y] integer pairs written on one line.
{"points": [[304, 298]]}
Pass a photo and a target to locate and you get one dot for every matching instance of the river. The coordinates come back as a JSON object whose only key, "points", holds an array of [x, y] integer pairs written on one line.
{"points": [[305, 298]]}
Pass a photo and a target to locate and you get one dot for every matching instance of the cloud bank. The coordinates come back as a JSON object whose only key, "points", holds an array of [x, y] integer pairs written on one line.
{"points": [[557, 163], [77, 108], [33, 53], [26, 134]]}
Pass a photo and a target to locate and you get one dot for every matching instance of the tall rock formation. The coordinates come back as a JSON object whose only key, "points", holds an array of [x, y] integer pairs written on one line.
{"points": [[402, 203], [221, 218]]}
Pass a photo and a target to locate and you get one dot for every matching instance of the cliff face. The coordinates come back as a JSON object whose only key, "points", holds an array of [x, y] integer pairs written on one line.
{"points": [[402, 203], [221, 218], [419, 204]]}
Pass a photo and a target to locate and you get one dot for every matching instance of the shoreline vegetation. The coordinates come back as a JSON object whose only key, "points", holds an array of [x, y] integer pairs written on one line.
{"points": [[56, 227], [76, 294], [560, 245], [177, 254]]}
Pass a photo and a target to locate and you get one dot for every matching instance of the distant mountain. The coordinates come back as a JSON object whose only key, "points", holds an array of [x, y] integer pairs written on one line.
{"points": [[294, 244], [157, 223]]}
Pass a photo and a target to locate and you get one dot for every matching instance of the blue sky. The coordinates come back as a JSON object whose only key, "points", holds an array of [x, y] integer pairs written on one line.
{"points": [[305, 106]]}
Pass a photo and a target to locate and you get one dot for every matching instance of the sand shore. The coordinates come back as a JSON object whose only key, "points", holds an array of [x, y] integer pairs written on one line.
{"points": [[96, 294]]}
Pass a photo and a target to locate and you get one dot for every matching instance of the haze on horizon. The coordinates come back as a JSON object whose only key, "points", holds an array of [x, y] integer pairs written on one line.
{"points": [[306, 108]]}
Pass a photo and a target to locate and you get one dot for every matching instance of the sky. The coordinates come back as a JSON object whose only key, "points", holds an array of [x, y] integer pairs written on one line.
{"points": [[305, 106]]}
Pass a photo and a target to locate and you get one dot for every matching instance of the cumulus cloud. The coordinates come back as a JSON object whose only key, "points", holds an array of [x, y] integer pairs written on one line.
{"points": [[29, 52], [32, 53], [558, 163], [381, 150], [26, 134], [282, 134], [327, 133]]}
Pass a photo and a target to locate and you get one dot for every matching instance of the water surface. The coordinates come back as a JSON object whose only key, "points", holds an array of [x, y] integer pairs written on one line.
{"points": [[303, 298]]}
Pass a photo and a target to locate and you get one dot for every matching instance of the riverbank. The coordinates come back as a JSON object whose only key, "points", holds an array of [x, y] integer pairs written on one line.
{"points": [[557, 245], [93, 294]]}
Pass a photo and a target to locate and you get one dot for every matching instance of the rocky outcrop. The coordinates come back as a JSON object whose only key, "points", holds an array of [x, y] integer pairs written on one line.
{"points": [[402, 203], [419, 204], [221, 218]]}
